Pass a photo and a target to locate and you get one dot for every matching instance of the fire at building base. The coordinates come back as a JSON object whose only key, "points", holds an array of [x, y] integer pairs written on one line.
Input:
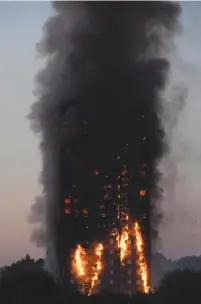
{"points": [[110, 250], [118, 266]]}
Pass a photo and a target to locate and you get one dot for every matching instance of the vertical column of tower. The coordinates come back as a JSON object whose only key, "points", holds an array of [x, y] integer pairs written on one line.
{"points": [[129, 270], [144, 191], [110, 278]]}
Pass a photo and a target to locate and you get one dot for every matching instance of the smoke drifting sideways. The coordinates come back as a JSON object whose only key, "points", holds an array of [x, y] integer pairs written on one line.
{"points": [[103, 55]]}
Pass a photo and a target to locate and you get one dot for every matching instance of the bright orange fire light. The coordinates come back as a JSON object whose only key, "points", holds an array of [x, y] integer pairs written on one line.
{"points": [[122, 241], [85, 211], [142, 192], [87, 268], [67, 200], [80, 261], [67, 211], [141, 258], [98, 266]]}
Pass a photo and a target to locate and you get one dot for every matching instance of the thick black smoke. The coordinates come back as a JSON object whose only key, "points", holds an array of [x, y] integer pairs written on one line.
{"points": [[106, 61]]}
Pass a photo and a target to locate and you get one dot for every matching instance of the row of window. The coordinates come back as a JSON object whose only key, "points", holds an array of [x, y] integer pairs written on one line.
{"points": [[112, 282], [129, 262], [138, 282], [112, 251], [129, 271], [84, 211], [113, 241]]}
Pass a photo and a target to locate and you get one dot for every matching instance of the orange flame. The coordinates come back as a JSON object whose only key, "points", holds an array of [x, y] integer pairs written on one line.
{"points": [[98, 266], [87, 267], [122, 241], [141, 258], [80, 262], [82, 270]]}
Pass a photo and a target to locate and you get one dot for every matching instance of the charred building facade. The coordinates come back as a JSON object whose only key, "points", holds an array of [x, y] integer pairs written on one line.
{"points": [[106, 187]]}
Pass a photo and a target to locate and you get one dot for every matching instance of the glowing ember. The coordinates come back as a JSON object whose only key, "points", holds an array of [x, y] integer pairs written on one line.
{"points": [[124, 171], [141, 258], [96, 172]]}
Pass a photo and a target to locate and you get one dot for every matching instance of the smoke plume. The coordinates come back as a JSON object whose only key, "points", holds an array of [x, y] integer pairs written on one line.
{"points": [[107, 60]]}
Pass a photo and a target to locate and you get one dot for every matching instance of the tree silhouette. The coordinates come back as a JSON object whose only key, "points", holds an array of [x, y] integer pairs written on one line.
{"points": [[180, 286], [26, 282]]}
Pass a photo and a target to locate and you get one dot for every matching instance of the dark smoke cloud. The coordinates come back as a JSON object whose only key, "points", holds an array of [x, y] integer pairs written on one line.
{"points": [[38, 215], [38, 210], [97, 51]]}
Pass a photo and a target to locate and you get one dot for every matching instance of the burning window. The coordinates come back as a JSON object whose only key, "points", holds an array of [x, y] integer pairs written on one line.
{"points": [[85, 211], [68, 200], [67, 211], [142, 192]]}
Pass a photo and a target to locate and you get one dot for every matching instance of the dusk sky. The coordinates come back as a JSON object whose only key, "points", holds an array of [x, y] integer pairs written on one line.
{"points": [[20, 29]]}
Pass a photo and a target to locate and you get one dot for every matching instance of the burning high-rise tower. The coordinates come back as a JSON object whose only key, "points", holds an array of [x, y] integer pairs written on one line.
{"points": [[112, 193], [98, 112]]}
